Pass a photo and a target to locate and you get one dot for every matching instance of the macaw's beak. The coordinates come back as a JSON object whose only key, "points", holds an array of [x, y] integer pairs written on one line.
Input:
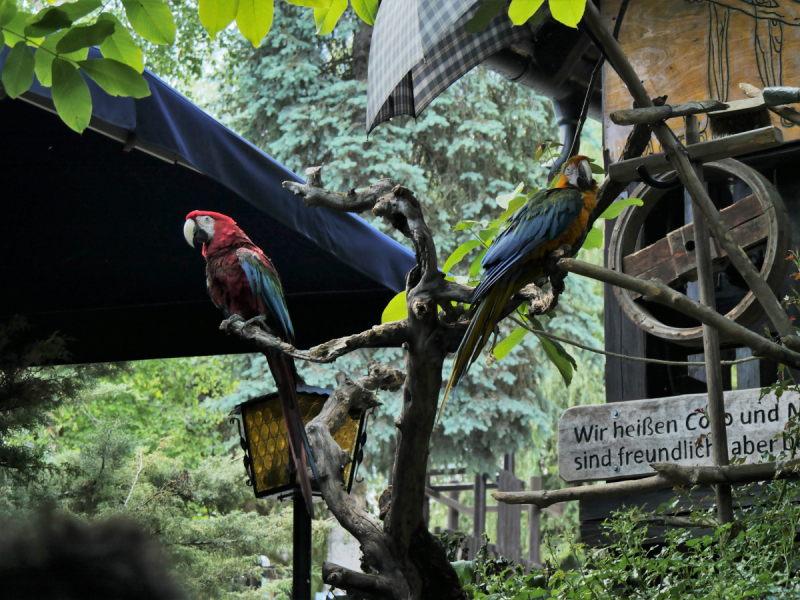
{"points": [[585, 178], [193, 233]]}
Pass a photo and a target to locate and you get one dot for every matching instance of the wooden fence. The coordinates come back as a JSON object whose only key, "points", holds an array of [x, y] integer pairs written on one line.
{"points": [[509, 516]]}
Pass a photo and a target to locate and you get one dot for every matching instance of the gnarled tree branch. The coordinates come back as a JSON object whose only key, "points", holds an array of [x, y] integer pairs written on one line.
{"points": [[388, 335]]}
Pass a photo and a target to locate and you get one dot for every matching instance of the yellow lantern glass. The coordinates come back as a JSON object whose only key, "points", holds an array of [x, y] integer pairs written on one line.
{"points": [[267, 445]]}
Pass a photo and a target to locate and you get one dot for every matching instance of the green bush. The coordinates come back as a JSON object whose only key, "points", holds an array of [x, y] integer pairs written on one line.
{"points": [[757, 556]]}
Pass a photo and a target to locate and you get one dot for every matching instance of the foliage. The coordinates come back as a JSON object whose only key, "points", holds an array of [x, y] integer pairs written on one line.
{"points": [[63, 34], [30, 391], [145, 444], [757, 556]]}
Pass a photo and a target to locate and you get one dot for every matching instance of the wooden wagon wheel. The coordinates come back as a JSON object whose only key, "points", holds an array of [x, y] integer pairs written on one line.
{"points": [[757, 221]]}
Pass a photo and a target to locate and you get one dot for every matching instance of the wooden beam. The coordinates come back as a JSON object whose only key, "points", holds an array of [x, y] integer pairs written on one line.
{"points": [[458, 487], [653, 114], [669, 259], [449, 502], [669, 475], [624, 171]]}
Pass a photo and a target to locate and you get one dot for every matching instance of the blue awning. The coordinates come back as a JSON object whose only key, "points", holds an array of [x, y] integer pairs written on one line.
{"points": [[96, 249]]}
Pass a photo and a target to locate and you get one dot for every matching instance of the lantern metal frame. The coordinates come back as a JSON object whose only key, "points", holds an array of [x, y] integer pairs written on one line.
{"points": [[287, 492]]}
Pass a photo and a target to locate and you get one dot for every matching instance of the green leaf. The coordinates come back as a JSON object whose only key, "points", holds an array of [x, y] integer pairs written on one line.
{"points": [[459, 253], [367, 10], [597, 169], [311, 3], [254, 19], [18, 70], [465, 225], [508, 344], [487, 11], [151, 19], [2, 39], [396, 310], [504, 199], [614, 210], [594, 239], [85, 36], [116, 78], [465, 569], [475, 267], [71, 95], [326, 18], [487, 235], [557, 354], [81, 8], [8, 10], [45, 55], [522, 10], [121, 46], [216, 15], [50, 21], [15, 30], [568, 12]]}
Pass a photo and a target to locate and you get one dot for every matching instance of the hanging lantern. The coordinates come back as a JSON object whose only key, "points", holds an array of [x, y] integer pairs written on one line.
{"points": [[262, 433]]}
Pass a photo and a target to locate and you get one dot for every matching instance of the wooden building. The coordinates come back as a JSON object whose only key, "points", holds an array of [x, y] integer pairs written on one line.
{"points": [[688, 50]]}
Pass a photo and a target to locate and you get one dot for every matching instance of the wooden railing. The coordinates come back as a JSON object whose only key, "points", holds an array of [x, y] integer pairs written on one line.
{"points": [[509, 517]]}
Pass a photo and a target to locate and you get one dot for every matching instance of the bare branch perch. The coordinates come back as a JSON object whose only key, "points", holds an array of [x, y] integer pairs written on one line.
{"points": [[315, 195], [371, 586], [656, 290], [388, 335], [668, 475]]}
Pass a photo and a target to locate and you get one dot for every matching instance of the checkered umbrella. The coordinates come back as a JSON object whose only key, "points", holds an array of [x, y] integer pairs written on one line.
{"points": [[421, 47]]}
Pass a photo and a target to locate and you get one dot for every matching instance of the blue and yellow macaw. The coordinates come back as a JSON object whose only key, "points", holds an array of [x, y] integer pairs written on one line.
{"points": [[551, 218]]}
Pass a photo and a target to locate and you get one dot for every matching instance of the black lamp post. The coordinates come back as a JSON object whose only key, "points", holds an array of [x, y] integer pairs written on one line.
{"points": [[272, 474]]}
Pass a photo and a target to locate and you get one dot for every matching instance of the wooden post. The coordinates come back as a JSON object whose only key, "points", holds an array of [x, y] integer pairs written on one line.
{"points": [[479, 519], [452, 513], [535, 525], [301, 549], [705, 280]]}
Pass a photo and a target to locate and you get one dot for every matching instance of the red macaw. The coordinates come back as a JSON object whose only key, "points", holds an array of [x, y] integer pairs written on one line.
{"points": [[242, 281], [551, 218]]}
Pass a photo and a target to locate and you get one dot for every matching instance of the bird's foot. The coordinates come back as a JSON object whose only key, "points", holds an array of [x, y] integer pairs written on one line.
{"points": [[259, 319]]}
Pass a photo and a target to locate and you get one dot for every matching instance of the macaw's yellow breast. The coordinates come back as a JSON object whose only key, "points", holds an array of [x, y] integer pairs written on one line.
{"points": [[578, 227]]}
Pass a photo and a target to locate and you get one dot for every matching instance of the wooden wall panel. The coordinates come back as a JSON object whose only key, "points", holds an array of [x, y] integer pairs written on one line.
{"points": [[696, 50]]}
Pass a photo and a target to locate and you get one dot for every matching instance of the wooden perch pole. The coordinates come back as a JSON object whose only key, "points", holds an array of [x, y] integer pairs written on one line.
{"points": [[678, 157], [667, 475], [655, 290], [705, 279]]}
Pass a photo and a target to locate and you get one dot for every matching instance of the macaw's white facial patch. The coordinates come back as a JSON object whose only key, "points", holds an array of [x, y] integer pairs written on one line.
{"points": [[206, 223]]}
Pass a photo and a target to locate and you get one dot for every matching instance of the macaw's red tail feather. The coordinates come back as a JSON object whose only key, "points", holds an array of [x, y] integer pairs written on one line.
{"points": [[478, 333], [283, 370]]}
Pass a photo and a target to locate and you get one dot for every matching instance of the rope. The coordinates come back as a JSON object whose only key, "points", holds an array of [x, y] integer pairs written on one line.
{"points": [[657, 361]]}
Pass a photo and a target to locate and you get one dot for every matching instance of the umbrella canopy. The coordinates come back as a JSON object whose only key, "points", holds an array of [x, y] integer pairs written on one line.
{"points": [[421, 47], [93, 245]]}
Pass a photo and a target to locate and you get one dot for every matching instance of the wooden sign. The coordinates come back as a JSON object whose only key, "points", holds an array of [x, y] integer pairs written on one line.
{"points": [[621, 439], [702, 50]]}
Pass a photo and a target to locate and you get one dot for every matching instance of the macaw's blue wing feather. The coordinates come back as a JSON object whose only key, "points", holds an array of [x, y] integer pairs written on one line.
{"points": [[544, 218], [266, 286]]}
